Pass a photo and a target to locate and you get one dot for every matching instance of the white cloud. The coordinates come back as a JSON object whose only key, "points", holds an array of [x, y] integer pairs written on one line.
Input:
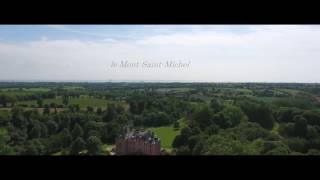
{"points": [[266, 53]]}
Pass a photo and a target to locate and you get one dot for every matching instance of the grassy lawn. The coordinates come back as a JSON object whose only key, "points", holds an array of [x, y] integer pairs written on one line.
{"points": [[168, 133], [107, 147]]}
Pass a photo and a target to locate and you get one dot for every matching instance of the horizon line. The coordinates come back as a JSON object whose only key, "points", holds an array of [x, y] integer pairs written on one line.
{"points": [[149, 81]]}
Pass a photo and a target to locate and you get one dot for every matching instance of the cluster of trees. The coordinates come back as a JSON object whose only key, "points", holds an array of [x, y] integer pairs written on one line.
{"points": [[79, 132], [257, 111], [154, 110], [249, 127], [300, 129], [7, 99]]}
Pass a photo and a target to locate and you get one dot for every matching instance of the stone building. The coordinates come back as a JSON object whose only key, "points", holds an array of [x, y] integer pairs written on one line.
{"points": [[137, 142]]}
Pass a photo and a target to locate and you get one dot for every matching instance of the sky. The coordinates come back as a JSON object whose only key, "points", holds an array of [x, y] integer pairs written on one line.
{"points": [[214, 53]]}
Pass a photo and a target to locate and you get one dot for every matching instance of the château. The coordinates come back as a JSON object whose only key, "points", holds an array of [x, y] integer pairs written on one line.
{"points": [[138, 142]]}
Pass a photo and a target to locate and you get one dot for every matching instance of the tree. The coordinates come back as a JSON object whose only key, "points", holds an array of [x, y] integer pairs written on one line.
{"points": [[77, 131], [65, 99], [221, 145], [216, 105], [35, 131], [65, 138], [34, 147], [182, 139], [202, 117], [4, 119], [183, 150], [198, 147], [43, 130], [286, 129], [110, 132], [5, 99], [18, 119], [89, 109], [53, 105], [315, 152], [300, 126], [77, 107], [74, 107], [176, 125], [285, 114], [5, 149], [52, 127], [312, 117], [258, 112], [18, 136], [46, 109], [179, 141], [99, 111], [94, 145], [274, 148], [40, 102], [296, 144], [312, 133], [12, 100], [247, 131], [233, 115], [212, 129], [77, 146], [110, 113]]}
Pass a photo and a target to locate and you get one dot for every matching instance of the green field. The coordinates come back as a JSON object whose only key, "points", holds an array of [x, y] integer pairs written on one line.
{"points": [[25, 89], [270, 99], [174, 89], [36, 89], [167, 134], [73, 87], [83, 102], [22, 91], [17, 93]]}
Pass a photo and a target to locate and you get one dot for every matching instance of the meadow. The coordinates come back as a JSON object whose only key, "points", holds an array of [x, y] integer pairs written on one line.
{"points": [[83, 102], [167, 134]]}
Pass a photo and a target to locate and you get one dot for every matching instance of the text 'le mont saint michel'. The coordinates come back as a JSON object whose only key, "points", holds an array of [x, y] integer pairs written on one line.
{"points": [[147, 64]]}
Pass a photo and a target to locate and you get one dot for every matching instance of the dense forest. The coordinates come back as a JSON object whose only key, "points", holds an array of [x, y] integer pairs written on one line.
{"points": [[47, 118]]}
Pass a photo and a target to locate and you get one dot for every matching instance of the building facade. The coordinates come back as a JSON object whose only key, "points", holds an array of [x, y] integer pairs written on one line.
{"points": [[137, 142]]}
